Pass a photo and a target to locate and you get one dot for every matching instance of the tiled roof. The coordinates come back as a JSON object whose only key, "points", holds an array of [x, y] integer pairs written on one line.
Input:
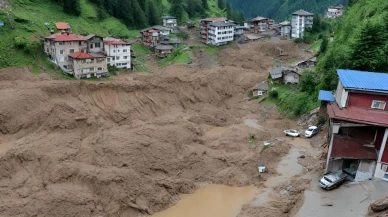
{"points": [[262, 86], [64, 36], [81, 55], [358, 115], [62, 25], [220, 24], [114, 41], [302, 13], [360, 80], [350, 148], [214, 19]]}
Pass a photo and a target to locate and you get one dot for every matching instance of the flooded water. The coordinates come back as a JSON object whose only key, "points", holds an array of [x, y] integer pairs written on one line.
{"points": [[215, 131], [287, 168], [253, 123], [211, 201]]}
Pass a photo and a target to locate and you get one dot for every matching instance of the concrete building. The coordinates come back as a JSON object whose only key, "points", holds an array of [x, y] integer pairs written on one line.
{"points": [[238, 31], [86, 65], [150, 37], [118, 52], [260, 89], [95, 44], [285, 29], [163, 50], [204, 24], [220, 33], [286, 75], [358, 125], [58, 46], [169, 21], [301, 20], [162, 30], [260, 24], [334, 11]]}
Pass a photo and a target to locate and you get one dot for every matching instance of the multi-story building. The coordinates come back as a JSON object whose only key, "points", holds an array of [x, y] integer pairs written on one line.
{"points": [[95, 44], [86, 65], [58, 46], [118, 52], [220, 33], [358, 129], [150, 37], [285, 29], [260, 24], [301, 20], [238, 31], [334, 11], [169, 21], [204, 30]]}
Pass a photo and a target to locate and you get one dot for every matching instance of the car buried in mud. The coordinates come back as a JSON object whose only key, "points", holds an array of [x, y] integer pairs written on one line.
{"points": [[311, 131], [293, 133], [332, 180]]}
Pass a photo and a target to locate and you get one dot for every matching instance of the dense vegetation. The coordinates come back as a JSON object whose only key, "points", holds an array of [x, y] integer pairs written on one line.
{"points": [[280, 10], [360, 43]]}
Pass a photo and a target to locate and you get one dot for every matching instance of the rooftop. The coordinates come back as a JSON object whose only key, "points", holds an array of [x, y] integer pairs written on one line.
{"points": [[276, 72], [214, 19], [62, 25], [220, 24], [259, 18], [161, 28], [285, 23], [358, 115], [66, 36], [262, 86], [302, 13], [91, 36], [363, 81], [338, 6], [164, 47], [168, 17], [325, 95], [115, 41], [81, 55]]}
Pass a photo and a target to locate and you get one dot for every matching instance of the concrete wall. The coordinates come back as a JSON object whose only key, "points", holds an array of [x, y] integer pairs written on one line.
{"points": [[365, 170], [290, 77], [335, 165], [54, 49], [341, 95], [379, 173], [89, 67]]}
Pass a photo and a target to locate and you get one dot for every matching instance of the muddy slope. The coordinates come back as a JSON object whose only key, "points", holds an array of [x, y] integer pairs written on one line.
{"points": [[126, 147]]}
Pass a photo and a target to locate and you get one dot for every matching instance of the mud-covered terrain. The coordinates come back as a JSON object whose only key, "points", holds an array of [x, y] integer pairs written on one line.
{"points": [[130, 146]]}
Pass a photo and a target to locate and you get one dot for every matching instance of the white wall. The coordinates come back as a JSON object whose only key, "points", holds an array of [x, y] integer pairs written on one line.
{"points": [[365, 170], [216, 36], [341, 95], [335, 165], [291, 78], [117, 53]]}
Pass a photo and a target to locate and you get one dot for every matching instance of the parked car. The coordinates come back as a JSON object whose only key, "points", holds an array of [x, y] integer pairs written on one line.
{"points": [[292, 133], [311, 131], [332, 180]]}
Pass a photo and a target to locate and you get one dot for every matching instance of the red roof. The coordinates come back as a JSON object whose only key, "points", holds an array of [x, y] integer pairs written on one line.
{"points": [[65, 36], [115, 41], [358, 115], [62, 26], [81, 55], [350, 148], [153, 30]]}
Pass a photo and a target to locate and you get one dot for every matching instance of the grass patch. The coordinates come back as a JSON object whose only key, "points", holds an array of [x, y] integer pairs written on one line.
{"points": [[291, 61], [316, 45], [282, 90], [179, 55], [140, 49]]}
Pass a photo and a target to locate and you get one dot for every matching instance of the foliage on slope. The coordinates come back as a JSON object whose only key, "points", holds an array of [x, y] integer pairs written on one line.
{"points": [[281, 9]]}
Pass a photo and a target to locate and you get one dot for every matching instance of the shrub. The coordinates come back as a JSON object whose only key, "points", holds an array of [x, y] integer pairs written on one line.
{"points": [[273, 94], [322, 119]]}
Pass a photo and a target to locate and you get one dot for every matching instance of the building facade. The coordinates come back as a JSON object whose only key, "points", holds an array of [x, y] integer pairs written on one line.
{"points": [[169, 21], [204, 27], [150, 37], [86, 65], [220, 33], [358, 125], [285, 29], [301, 20], [334, 11], [118, 52], [260, 24]]}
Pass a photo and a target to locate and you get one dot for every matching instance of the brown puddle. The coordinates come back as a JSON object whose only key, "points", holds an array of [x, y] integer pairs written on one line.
{"points": [[215, 131], [211, 201]]}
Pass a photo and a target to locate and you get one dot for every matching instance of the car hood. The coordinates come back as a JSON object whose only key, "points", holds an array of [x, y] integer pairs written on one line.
{"points": [[324, 181], [308, 132]]}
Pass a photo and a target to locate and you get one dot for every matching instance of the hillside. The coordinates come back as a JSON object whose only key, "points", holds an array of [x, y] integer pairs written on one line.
{"points": [[280, 10], [25, 26]]}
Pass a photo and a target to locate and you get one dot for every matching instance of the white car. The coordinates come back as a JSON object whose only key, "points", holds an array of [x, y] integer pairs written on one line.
{"points": [[311, 131], [292, 133], [332, 180]]}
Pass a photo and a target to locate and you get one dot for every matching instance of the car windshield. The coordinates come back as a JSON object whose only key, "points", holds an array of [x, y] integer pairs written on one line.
{"points": [[327, 179], [309, 130]]}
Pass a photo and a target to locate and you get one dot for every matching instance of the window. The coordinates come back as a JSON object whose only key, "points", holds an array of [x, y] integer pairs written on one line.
{"points": [[118, 51], [91, 46], [97, 45], [116, 46], [125, 50], [61, 51], [100, 68], [108, 59], [124, 64], [83, 61], [114, 51], [259, 93], [125, 57], [91, 69], [61, 43], [117, 58], [378, 104], [71, 51]]}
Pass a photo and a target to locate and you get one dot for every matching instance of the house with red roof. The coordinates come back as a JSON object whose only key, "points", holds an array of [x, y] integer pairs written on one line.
{"points": [[358, 125], [87, 65], [62, 26], [118, 52]]}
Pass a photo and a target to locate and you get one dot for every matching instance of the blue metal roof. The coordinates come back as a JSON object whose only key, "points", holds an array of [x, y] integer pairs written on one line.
{"points": [[360, 80], [1, 24], [325, 95]]}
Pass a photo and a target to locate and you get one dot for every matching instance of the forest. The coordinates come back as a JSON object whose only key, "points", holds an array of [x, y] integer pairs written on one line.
{"points": [[137, 14], [281, 10]]}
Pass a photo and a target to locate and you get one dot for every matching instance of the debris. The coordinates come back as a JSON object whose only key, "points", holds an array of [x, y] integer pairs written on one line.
{"points": [[302, 156], [261, 168], [327, 204]]}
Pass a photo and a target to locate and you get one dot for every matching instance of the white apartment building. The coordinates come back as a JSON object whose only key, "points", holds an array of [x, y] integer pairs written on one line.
{"points": [[118, 52], [285, 29], [169, 21], [334, 11], [300, 21], [220, 33]]}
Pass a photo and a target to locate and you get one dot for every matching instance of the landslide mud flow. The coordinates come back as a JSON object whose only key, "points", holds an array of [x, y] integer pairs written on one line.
{"points": [[130, 146]]}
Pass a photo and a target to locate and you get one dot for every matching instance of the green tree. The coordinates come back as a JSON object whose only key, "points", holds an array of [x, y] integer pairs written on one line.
{"points": [[177, 9], [308, 82], [153, 13], [317, 24], [229, 11], [221, 4], [205, 5], [139, 17], [72, 7], [370, 50], [324, 44]]}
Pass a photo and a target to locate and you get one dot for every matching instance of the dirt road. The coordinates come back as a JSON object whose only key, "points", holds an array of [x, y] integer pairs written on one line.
{"points": [[130, 146]]}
